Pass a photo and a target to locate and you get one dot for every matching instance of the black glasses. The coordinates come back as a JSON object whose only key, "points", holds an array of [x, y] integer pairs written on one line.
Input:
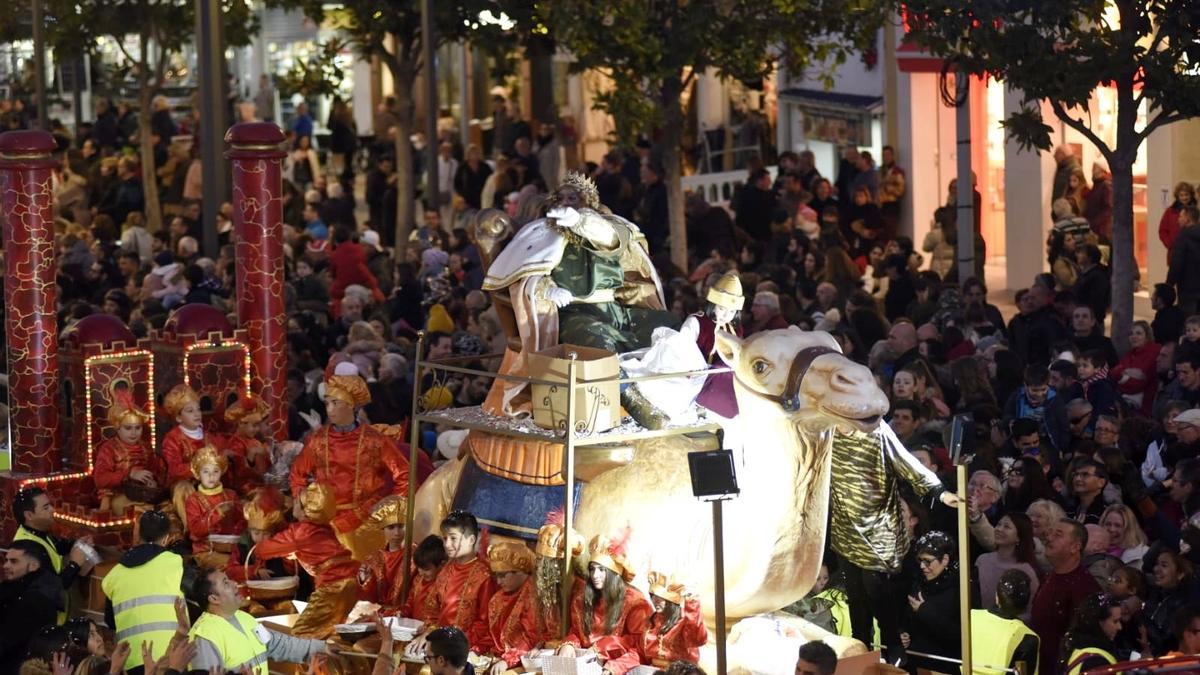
{"points": [[926, 562]]}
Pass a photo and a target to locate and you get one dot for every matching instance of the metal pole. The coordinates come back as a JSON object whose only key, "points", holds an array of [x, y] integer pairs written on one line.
{"points": [[210, 60], [428, 46], [719, 578], [414, 446], [464, 94], [39, 65], [964, 558], [966, 186], [568, 472], [77, 65]]}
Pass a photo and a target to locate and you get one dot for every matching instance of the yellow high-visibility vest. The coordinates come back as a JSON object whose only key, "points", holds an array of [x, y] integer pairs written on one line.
{"points": [[143, 600], [56, 559], [1075, 663], [994, 640], [238, 649]]}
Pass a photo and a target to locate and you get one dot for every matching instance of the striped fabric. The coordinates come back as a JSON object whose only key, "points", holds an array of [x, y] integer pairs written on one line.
{"points": [[867, 526]]}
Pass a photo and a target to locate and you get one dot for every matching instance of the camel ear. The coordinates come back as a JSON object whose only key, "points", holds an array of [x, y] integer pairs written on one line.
{"points": [[728, 347]]}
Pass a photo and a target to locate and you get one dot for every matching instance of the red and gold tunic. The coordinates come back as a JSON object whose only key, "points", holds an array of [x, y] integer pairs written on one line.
{"points": [[620, 648], [550, 618], [381, 580], [513, 623], [460, 597], [237, 568], [418, 595], [361, 465], [115, 460], [215, 511], [247, 472], [681, 642], [316, 549], [178, 449]]}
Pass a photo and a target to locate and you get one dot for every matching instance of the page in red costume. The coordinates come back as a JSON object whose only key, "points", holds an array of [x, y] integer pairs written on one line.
{"points": [[513, 622], [316, 549], [218, 513], [381, 579], [413, 606], [362, 466], [460, 597], [246, 472], [178, 449], [620, 648], [682, 641], [115, 460]]}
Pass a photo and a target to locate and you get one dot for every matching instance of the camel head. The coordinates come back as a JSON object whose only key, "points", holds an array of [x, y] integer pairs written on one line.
{"points": [[806, 374]]}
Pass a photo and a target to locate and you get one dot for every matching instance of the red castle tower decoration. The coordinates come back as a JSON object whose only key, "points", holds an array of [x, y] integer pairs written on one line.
{"points": [[258, 229]]}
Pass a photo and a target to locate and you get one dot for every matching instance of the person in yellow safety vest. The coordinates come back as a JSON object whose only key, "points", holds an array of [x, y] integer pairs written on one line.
{"points": [[1089, 642], [34, 515], [999, 639], [230, 639], [144, 590]]}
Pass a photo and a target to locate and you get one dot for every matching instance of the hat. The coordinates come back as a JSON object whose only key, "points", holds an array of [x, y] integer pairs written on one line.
{"points": [[350, 389], [437, 398], [450, 441], [727, 292], [666, 587], [208, 456], [439, 320], [265, 510], [610, 554], [178, 398], [390, 510], [124, 411], [551, 543], [318, 503], [371, 238], [509, 556], [1191, 417], [247, 409], [164, 258]]}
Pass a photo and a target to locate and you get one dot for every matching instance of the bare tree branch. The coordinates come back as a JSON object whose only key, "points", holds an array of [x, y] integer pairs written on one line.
{"points": [[1161, 119], [1082, 128]]}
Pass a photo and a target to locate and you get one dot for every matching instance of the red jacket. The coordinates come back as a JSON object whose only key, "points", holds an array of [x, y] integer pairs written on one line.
{"points": [[115, 460], [316, 548], [348, 265], [1143, 358], [1168, 225]]}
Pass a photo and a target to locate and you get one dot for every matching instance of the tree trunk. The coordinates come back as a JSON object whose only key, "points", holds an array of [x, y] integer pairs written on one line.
{"points": [[405, 177], [151, 209], [672, 162], [1121, 260]]}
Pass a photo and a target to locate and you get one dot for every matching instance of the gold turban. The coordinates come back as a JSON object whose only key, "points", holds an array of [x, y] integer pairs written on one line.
{"points": [[208, 456], [247, 409], [552, 544], [318, 503], [265, 511], [727, 292], [178, 398], [124, 410], [507, 556], [610, 554], [666, 587], [389, 511], [350, 389]]}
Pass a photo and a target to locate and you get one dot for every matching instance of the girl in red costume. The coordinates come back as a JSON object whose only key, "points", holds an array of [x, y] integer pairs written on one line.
{"points": [[254, 458], [184, 440], [127, 471], [211, 509], [677, 629], [608, 615]]}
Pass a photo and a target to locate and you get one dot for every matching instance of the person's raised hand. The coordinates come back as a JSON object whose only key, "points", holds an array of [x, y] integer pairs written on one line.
{"points": [[182, 623], [180, 654], [60, 664], [119, 656], [385, 637], [949, 499], [150, 665]]}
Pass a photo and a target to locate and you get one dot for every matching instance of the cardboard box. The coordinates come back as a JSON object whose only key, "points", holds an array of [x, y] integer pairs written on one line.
{"points": [[597, 403]]}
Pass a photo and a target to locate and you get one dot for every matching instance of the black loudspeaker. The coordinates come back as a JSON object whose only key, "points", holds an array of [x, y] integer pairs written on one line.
{"points": [[713, 475]]}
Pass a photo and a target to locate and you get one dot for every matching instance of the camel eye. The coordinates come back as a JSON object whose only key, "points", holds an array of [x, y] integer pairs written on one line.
{"points": [[760, 367]]}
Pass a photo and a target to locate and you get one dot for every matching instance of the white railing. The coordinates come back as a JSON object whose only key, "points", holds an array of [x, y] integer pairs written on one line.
{"points": [[718, 188]]}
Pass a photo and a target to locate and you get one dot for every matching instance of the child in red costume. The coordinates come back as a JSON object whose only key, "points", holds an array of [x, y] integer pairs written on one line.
{"points": [[211, 509], [127, 471], [618, 642], [463, 588], [264, 515], [512, 612], [677, 629], [381, 576], [246, 417], [319, 552], [187, 437], [428, 559]]}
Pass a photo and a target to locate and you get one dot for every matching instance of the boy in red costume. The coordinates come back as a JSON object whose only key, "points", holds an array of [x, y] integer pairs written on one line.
{"points": [[211, 509], [381, 576], [429, 558], [677, 629], [463, 588], [187, 437], [127, 471], [320, 553], [512, 611], [618, 642], [246, 416], [358, 463]]}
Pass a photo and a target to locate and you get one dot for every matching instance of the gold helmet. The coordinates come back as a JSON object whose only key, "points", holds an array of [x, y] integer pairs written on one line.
{"points": [[265, 510], [666, 587], [390, 510], [350, 389], [247, 409], [551, 542], [610, 554], [208, 456], [319, 503], [507, 556], [178, 398], [124, 410], [727, 292]]}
